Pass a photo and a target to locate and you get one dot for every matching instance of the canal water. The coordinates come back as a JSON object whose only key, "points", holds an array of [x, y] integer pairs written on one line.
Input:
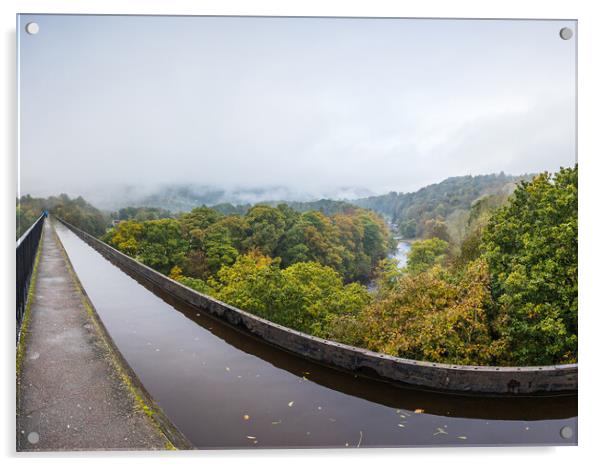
{"points": [[224, 389]]}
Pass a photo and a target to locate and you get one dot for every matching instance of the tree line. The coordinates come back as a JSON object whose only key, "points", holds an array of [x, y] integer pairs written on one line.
{"points": [[448, 202], [76, 211], [496, 285]]}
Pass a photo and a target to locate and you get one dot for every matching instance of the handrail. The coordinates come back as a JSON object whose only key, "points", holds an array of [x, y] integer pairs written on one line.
{"points": [[26, 251]]}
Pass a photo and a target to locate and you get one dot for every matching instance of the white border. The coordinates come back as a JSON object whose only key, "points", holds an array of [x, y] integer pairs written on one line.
{"points": [[590, 154]]}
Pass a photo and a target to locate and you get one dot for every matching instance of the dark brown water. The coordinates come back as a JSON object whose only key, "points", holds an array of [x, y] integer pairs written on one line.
{"points": [[224, 389]]}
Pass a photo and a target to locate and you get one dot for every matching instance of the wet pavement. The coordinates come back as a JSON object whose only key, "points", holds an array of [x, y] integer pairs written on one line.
{"points": [[70, 395]]}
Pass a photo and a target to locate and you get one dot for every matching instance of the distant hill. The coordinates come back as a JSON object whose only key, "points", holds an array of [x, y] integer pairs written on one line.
{"points": [[410, 211]]}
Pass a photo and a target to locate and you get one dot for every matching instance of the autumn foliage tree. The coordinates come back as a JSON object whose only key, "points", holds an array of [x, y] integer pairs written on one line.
{"points": [[431, 316]]}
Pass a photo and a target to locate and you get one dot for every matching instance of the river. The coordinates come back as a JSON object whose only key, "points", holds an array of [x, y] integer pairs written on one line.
{"points": [[225, 389], [401, 253]]}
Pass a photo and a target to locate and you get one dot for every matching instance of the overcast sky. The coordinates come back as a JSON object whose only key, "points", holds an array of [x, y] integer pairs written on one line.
{"points": [[313, 105]]}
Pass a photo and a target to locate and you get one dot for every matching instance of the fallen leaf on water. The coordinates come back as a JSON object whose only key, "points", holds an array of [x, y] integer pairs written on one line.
{"points": [[419, 410], [291, 403], [462, 437], [246, 417], [439, 431]]}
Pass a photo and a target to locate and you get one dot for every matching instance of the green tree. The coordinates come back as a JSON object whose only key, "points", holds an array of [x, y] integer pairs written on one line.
{"points": [[156, 243], [267, 226], [425, 254], [304, 296], [531, 247]]}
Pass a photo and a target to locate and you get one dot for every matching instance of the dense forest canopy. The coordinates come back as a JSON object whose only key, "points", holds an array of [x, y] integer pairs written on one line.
{"points": [[203, 240], [448, 201], [491, 277], [75, 211], [141, 213]]}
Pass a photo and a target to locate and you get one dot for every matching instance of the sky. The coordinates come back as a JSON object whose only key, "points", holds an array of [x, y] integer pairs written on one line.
{"points": [[316, 106]]}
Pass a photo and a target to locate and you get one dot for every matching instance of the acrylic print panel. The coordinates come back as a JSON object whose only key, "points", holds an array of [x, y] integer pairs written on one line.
{"points": [[264, 232]]}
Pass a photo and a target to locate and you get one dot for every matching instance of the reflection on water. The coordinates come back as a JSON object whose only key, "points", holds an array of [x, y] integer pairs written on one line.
{"points": [[226, 389]]}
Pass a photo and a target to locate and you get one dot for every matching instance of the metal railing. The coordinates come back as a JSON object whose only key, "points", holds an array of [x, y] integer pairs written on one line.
{"points": [[27, 248]]}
